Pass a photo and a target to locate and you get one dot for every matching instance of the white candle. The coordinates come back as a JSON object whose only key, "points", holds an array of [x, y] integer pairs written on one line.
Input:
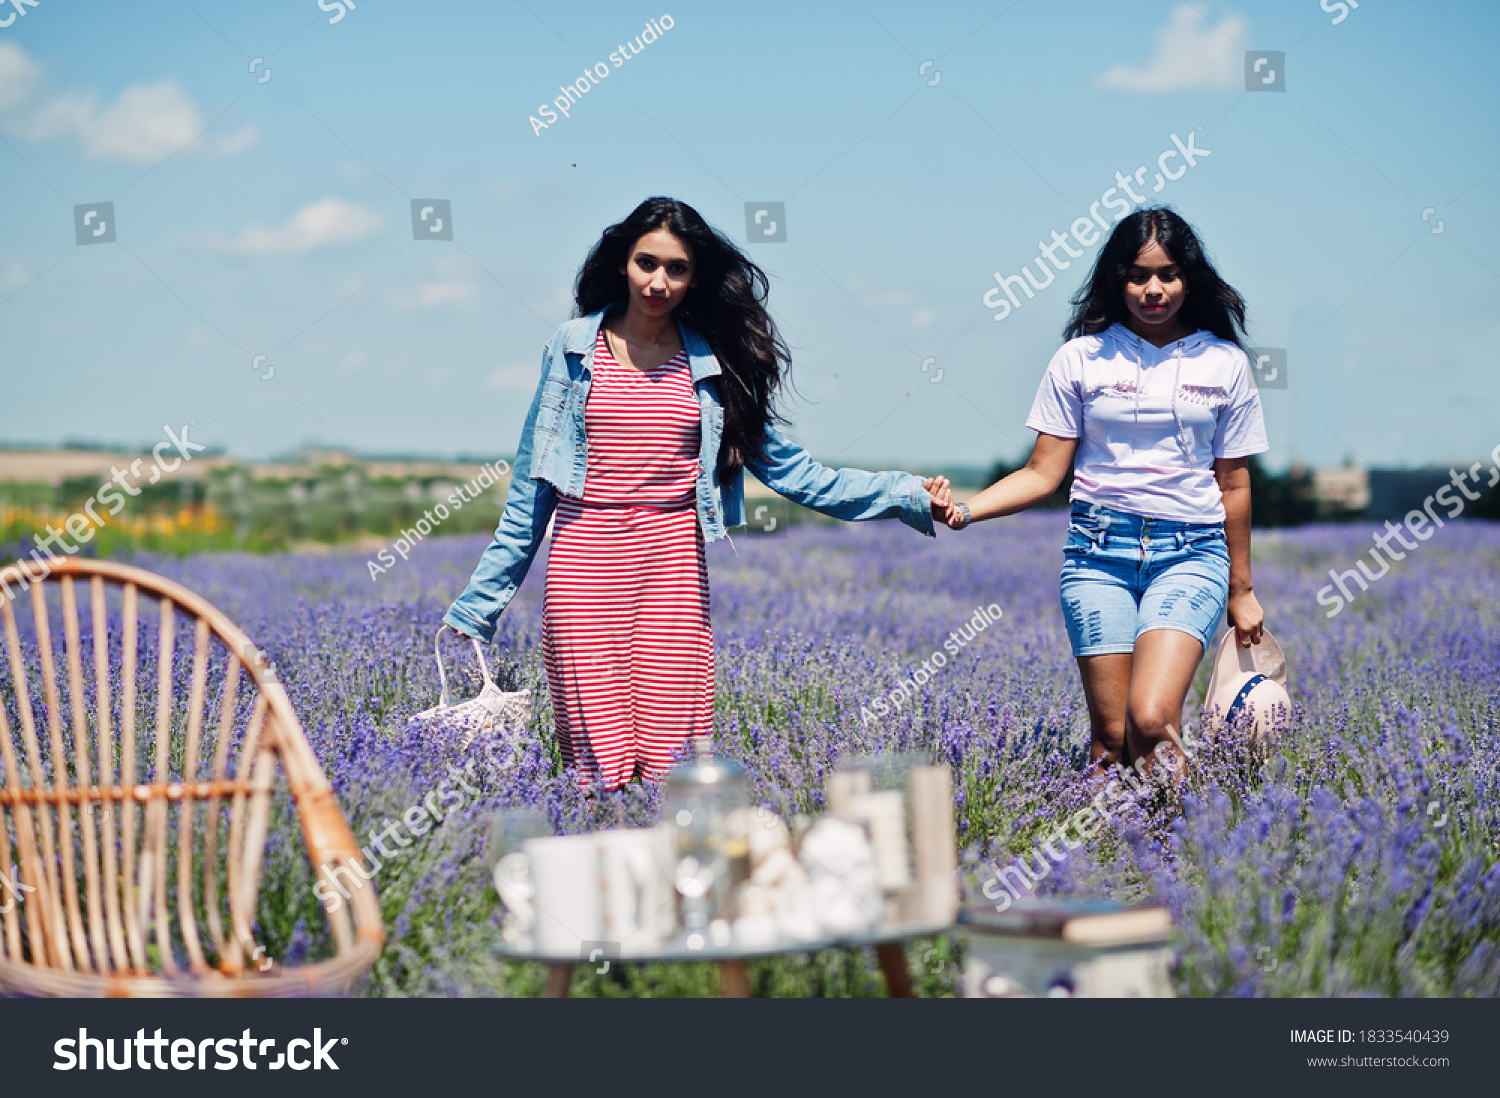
{"points": [[885, 813]]}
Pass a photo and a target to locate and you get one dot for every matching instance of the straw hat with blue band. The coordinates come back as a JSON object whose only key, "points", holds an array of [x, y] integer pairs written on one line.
{"points": [[1249, 680]]}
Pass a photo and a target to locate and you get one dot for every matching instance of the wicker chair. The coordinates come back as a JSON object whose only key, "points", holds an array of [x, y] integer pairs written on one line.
{"points": [[115, 844]]}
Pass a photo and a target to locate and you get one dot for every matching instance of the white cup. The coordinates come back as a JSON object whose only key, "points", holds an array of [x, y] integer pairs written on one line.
{"points": [[551, 885], [635, 870], [885, 814]]}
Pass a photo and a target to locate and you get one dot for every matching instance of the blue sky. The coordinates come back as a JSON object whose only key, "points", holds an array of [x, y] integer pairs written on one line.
{"points": [[272, 215]]}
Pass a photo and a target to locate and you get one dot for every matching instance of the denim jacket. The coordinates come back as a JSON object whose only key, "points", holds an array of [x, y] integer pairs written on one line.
{"points": [[553, 456]]}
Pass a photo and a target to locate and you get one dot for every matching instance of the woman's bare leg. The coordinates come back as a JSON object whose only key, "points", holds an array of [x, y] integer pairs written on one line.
{"points": [[1160, 674], [1106, 687]]}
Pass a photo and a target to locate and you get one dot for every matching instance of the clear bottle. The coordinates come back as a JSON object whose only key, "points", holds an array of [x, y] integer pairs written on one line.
{"points": [[707, 805]]}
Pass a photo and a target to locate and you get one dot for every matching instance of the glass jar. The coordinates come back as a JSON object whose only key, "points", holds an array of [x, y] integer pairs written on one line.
{"points": [[878, 791], [707, 806]]}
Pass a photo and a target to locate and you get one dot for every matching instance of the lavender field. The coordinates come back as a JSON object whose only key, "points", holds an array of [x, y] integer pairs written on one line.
{"points": [[1360, 859]]}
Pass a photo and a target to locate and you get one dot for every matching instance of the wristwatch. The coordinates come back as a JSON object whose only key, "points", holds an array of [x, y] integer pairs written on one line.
{"points": [[968, 517]]}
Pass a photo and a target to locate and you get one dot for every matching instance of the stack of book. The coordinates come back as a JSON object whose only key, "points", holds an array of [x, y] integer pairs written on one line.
{"points": [[1067, 948]]}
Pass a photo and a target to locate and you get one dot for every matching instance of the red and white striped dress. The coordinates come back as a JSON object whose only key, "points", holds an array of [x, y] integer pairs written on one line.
{"points": [[626, 633]]}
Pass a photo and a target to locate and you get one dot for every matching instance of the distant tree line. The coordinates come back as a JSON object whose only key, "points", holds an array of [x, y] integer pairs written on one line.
{"points": [[1284, 499]]}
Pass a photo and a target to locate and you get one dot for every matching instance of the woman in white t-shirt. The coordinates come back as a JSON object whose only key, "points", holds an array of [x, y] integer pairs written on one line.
{"points": [[1151, 402]]}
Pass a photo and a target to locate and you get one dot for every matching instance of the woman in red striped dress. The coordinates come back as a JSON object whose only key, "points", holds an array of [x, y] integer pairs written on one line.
{"points": [[626, 634], [650, 407]]}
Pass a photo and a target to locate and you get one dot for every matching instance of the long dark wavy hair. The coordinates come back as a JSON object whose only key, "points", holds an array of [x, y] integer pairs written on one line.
{"points": [[727, 308], [1210, 302]]}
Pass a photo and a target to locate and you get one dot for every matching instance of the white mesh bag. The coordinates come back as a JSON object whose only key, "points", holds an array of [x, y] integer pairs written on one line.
{"points": [[493, 711]]}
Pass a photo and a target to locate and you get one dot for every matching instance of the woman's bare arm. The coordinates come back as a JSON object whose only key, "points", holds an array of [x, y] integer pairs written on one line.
{"points": [[1050, 460], [1245, 613]]}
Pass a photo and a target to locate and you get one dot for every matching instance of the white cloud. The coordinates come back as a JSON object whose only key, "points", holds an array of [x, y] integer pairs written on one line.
{"points": [[452, 265], [144, 124], [19, 76], [517, 377], [1192, 53], [559, 303], [325, 223], [12, 275], [921, 317], [351, 363], [454, 285], [241, 140], [432, 294], [871, 298], [504, 189]]}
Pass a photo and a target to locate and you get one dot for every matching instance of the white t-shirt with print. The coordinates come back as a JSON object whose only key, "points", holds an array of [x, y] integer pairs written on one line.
{"points": [[1151, 420]]}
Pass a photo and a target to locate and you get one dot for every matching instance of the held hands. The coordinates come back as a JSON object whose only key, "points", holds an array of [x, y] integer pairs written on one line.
{"points": [[953, 515], [941, 493], [1247, 617]]}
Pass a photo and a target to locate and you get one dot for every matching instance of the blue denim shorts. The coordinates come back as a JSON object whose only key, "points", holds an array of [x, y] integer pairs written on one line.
{"points": [[1124, 575]]}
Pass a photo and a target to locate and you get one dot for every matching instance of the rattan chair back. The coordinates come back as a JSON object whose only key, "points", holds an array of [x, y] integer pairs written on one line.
{"points": [[145, 749]]}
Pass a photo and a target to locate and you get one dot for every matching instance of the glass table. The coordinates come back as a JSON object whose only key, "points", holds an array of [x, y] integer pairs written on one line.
{"points": [[888, 939]]}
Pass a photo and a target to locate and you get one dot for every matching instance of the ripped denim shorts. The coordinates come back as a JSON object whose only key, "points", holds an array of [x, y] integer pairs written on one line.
{"points": [[1124, 575]]}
